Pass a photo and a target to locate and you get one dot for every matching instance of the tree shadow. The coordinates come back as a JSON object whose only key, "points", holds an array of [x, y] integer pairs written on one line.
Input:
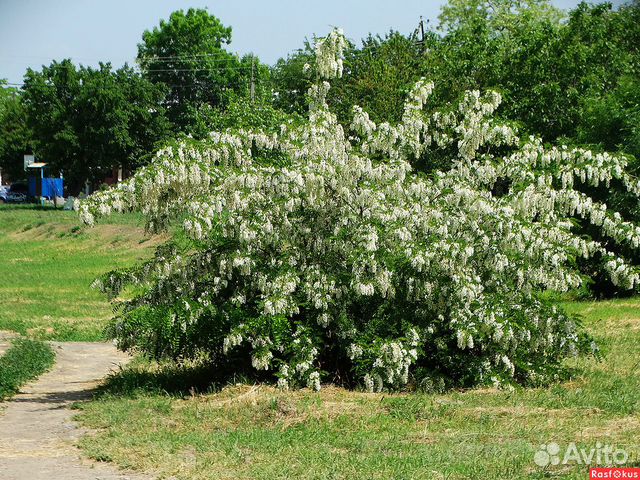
{"points": [[56, 400], [172, 378]]}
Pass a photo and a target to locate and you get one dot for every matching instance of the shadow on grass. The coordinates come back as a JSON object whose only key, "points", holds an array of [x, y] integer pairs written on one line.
{"points": [[175, 379]]}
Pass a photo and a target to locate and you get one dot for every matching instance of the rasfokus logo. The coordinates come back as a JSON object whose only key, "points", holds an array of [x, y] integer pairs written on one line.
{"points": [[598, 454]]}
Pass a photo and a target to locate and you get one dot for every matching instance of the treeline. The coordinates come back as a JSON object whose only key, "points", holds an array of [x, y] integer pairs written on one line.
{"points": [[85, 122], [570, 76]]}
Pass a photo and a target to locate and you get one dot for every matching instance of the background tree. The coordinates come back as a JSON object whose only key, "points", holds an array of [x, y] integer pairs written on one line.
{"points": [[87, 121], [612, 119], [543, 63], [251, 105], [49, 103], [379, 75], [187, 54], [608, 42], [15, 138], [291, 82], [507, 45]]}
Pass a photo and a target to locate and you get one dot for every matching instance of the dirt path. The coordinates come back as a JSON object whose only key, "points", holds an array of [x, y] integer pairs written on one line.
{"points": [[37, 434]]}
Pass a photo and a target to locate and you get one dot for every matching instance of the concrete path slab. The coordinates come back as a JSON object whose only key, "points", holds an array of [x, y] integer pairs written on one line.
{"points": [[37, 434]]}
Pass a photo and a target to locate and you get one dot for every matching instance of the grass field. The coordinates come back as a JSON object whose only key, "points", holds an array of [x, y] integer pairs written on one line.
{"points": [[146, 419], [258, 432], [47, 264]]}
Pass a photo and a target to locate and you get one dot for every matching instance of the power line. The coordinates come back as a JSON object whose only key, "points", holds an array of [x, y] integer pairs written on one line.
{"points": [[211, 57], [222, 55], [211, 69], [193, 55]]}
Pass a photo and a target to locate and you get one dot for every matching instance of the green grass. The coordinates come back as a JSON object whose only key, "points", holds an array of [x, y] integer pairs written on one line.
{"points": [[260, 433], [48, 263], [23, 361], [146, 418]]}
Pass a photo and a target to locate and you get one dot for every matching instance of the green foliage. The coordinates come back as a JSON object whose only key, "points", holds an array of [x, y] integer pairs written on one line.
{"points": [[187, 54], [15, 137], [87, 121], [544, 64], [24, 361], [290, 82], [378, 76], [506, 45], [242, 113], [612, 119]]}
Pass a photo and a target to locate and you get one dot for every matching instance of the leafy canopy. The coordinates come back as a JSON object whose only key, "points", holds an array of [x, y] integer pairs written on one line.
{"points": [[187, 54], [87, 121]]}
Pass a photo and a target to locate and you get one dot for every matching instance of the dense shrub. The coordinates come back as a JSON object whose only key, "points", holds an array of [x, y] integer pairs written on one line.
{"points": [[316, 254]]}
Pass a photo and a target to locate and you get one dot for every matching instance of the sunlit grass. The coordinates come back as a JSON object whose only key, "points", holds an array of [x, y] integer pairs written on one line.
{"points": [[47, 264], [256, 432], [23, 361]]}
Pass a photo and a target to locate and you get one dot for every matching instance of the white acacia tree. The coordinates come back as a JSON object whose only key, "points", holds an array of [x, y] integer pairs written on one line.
{"points": [[314, 254]]}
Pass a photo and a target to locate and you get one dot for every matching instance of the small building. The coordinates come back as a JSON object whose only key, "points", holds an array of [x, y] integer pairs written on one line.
{"points": [[41, 186]]}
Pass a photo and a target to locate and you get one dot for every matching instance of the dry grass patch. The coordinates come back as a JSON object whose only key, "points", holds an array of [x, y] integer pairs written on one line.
{"points": [[259, 432]]}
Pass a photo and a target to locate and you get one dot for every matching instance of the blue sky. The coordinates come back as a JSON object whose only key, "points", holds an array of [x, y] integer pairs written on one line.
{"points": [[34, 32]]}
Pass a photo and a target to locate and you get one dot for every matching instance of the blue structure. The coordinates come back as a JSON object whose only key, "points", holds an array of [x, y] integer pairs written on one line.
{"points": [[44, 187]]}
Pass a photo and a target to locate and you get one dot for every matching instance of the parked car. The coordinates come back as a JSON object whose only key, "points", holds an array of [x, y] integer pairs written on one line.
{"points": [[16, 193]]}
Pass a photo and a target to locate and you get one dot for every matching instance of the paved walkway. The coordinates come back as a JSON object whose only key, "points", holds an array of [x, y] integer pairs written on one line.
{"points": [[37, 434]]}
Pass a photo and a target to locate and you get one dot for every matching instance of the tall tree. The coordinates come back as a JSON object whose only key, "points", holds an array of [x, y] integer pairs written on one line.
{"points": [[544, 62], [87, 121], [379, 75], [15, 138], [187, 54], [291, 81]]}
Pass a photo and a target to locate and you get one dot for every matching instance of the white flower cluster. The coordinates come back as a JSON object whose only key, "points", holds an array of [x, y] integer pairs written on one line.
{"points": [[392, 362], [332, 239], [329, 53]]}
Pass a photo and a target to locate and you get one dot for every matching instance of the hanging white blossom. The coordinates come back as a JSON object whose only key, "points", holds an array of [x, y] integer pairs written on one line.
{"points": [[340, 257]]}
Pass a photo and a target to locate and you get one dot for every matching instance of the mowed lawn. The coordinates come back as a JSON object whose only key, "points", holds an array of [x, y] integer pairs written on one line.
{"points": [[256, 432], [48, 262]]}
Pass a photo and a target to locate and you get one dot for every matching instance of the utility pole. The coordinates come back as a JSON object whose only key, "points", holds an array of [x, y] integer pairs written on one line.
{"points": [[418, 34], [253, 81]]}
